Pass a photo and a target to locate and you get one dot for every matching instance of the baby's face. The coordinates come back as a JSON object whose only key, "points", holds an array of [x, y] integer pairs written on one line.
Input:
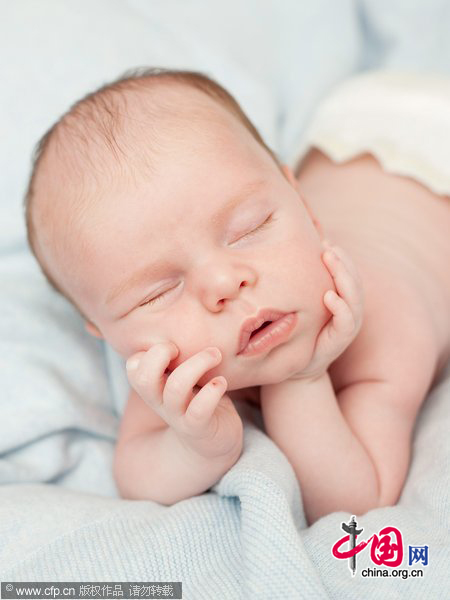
{"points": [[216, 234]]}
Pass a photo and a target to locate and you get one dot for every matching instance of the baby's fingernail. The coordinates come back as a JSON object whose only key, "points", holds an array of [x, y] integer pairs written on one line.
{"points": [[174, 346], [214, 352], [132, 364]]}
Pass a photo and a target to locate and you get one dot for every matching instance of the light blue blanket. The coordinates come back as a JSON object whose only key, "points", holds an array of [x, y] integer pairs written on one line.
{"points": [[63, 391]]}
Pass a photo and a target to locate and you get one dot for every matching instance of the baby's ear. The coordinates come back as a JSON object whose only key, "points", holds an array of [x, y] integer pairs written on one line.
{"points": [[93, 330]]}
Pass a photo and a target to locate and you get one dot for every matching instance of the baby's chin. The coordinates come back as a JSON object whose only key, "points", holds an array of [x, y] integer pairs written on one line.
{"points": [[284, 367]]}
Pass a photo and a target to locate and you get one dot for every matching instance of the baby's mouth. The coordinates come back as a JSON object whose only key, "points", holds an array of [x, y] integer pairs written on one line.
{"points": [[263, 326], [252, 326], [261, 332]]}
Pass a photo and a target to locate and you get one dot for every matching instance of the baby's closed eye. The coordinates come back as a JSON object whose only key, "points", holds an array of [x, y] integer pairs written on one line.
{"points": [[157, 298], [259, 228]]}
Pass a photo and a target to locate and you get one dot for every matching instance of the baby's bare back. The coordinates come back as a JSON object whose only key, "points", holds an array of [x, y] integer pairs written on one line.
{"points": [[396, 231]]}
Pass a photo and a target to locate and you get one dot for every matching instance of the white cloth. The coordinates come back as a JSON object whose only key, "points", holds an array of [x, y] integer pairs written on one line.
{"points": [[402, 118]]}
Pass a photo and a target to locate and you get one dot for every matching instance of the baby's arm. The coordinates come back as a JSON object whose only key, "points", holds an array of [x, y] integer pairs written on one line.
{"points": [[152, 463], [351, 451], [179, 444]]}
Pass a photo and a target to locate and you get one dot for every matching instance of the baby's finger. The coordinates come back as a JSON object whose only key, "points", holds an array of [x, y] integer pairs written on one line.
{"points": [[178, 393], [347, 287], [343, 321], [146, 371], [348, 262], [203, 405]]}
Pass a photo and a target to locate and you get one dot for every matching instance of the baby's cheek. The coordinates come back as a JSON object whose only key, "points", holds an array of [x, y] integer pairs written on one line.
{"points": [[126, 336], [121, 345]]}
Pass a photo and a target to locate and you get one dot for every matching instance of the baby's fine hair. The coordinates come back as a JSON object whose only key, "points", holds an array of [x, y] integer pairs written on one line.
{"points": [[94, 117]]}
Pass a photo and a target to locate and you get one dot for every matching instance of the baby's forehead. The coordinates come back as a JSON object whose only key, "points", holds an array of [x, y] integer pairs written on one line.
{"points": [[115, 140], [102, 139], [109, 139]]}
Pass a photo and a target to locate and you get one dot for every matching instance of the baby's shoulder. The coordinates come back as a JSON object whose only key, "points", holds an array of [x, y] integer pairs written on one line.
{"points": [[397, 343]]}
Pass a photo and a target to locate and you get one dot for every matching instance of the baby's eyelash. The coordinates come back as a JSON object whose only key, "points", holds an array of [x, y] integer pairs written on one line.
{"points": [[155, 299], [259, 228]]}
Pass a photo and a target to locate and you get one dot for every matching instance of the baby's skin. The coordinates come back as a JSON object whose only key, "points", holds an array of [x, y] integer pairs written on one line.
{"points": [[169, 261], [204, 420]]}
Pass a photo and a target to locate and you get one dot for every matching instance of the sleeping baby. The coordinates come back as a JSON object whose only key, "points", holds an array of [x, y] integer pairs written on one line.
{"points": [[321, 295]]}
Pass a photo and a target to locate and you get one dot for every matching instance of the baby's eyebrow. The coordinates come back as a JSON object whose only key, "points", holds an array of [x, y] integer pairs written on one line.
{"points": [[244, 193]]}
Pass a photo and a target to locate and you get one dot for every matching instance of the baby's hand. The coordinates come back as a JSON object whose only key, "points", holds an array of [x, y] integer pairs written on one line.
{"points": [[346, 307], [207, 421]]}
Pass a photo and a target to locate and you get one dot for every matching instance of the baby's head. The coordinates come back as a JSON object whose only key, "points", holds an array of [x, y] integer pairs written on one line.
{"points": [[155, 207]]}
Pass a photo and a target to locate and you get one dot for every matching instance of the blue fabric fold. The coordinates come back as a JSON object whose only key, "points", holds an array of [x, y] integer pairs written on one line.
{"points": [[63, 391]]}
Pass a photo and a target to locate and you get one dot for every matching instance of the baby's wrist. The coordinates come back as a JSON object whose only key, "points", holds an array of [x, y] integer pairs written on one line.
{"points": [[308, 378], [208, 452], [292, 384]]}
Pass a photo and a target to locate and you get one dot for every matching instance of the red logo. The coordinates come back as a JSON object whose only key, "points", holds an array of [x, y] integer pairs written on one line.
{"points": [[385, 550]]}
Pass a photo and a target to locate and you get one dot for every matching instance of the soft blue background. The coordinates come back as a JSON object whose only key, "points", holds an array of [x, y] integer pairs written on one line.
{"points": [[63, 390]]}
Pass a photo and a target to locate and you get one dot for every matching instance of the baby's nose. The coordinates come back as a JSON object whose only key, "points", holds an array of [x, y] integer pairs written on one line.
{"points": [[223, 282]]}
